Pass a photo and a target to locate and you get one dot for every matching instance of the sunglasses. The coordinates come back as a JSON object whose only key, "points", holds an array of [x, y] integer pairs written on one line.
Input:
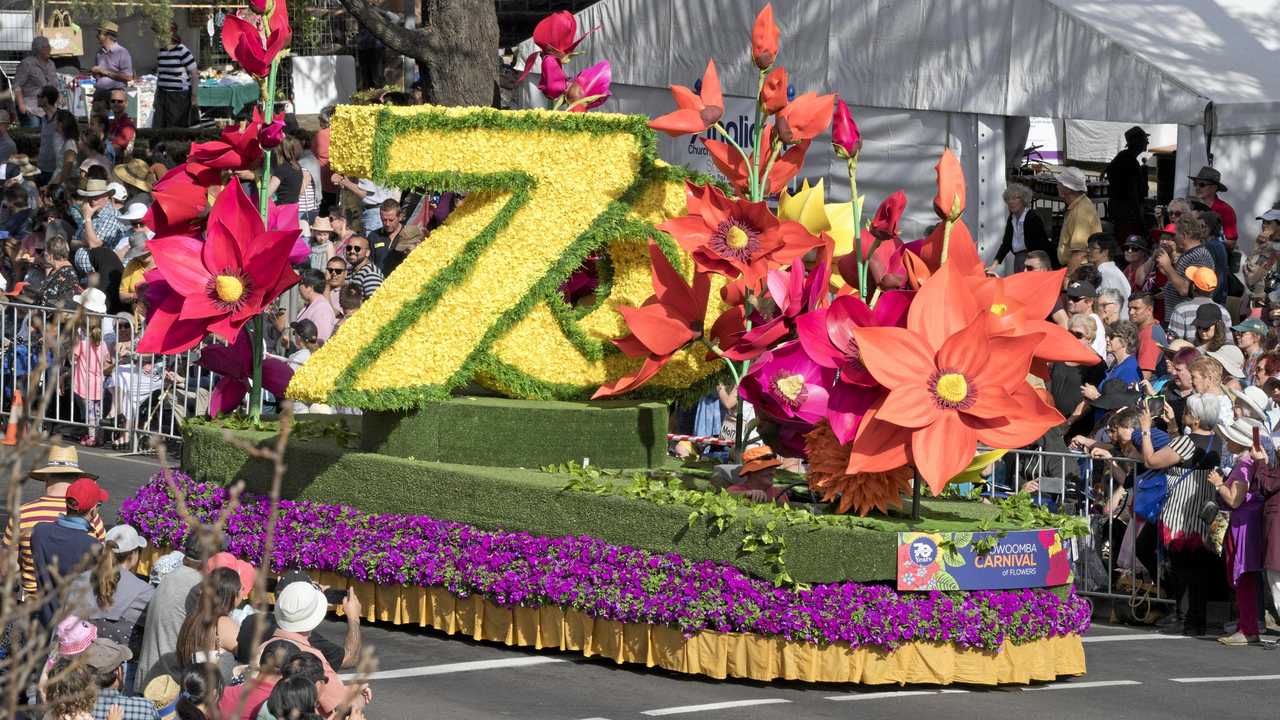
{"points": [[1202, 183], [1079, 335], [353, 249], [335, 271]]}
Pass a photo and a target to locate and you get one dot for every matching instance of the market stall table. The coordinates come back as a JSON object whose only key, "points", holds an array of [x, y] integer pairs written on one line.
{"points": [[233, 97]]}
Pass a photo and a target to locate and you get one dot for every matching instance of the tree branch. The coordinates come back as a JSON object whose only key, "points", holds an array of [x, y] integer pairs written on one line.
{"points": [[414, 43]]}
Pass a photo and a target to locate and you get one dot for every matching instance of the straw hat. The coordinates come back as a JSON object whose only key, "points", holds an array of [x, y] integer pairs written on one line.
{"points": [[109, 27], [94, 188], [135, 173], [321, 224], [63, 460]]}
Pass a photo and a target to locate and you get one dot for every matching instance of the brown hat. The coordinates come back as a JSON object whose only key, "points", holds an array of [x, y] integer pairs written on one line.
{"points": [[63, 460], [136, 173], [109, 27], [760, 457], [1208, 174]]}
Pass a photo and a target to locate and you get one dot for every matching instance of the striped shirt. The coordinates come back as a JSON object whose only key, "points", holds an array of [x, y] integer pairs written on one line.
{"points": [[369, 278], [1181, 523], [174, 64], [46, 508]]}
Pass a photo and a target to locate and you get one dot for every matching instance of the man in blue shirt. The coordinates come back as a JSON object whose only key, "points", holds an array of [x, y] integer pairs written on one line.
{"points": [[65, 546]]}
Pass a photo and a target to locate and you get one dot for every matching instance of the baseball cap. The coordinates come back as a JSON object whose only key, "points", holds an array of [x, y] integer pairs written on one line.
{"points": [[1272, 214], [1204, 278], [1207, 315], [85, 494], [126, 538], [300, 607], [105, 655], [1139, 242], [1081, 289], [1253, 325], [1170, 229]]}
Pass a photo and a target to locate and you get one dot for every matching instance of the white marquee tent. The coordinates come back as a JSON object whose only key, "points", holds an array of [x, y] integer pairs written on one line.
{"points": [[924, 74]]}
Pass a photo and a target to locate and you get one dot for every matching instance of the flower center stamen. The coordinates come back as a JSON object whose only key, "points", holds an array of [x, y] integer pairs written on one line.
{"points": [[790, 388], [735, 241], [951, 389], [999, 309], [229, 288]]}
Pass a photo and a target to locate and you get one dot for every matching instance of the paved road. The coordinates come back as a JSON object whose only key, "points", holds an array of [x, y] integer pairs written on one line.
{"points": [[1133, 673]]}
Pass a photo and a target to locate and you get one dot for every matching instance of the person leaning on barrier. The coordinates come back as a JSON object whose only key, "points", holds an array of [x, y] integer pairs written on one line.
{"points": [[60, 285]]}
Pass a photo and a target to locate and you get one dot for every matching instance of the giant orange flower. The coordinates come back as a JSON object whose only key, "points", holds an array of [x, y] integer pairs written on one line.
{"points": [[805, 118], [1019, 305], [951, 385], [736, 237], [671, 318], [696, 112]]}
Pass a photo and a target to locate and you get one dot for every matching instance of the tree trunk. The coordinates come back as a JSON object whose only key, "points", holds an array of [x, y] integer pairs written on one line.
{"points": [[458, 44]]}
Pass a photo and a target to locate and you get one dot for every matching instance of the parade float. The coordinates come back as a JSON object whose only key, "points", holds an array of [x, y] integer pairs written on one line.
{"points": [[508, 477]]}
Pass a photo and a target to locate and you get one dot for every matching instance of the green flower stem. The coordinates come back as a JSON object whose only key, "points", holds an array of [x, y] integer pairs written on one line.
{"points": [[855, 206], [751, 175], [946, 230], [768, 168], [257, 336], [757, 185]]}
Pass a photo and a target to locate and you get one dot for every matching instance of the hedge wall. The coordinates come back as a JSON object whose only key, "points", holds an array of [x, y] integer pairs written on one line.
{"points": [[531, 501]]}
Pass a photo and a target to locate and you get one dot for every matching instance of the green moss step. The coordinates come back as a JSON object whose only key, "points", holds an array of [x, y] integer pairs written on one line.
{"points": [[497, 432]]}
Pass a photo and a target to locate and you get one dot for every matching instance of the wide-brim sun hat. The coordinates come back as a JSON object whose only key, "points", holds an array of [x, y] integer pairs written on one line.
{"points": [[300, 608], [1231, 358], [1239, 431], [62, 460]]}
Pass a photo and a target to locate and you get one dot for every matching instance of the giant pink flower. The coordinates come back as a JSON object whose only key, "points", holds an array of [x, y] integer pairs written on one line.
{"points": [[219, 284], [238, 148], [179, 200], [234, 363], [244, 42], [827, 336], [786, 384]]}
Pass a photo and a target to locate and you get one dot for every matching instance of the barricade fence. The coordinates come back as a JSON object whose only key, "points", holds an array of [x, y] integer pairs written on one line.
{"points": [[115, 394], [1119, 559]]}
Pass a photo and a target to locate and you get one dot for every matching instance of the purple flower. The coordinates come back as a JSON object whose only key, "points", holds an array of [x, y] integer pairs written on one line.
{"points": [[593, 577]]}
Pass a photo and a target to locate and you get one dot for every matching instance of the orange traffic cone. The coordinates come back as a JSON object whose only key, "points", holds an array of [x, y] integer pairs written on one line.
{"points": [[11, 430]]}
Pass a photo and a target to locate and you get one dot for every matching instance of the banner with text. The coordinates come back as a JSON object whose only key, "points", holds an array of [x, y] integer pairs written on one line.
{"points": [[969, 560]]}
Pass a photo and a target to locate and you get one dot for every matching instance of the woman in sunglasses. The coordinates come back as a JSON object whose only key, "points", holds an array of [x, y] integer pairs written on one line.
{"points": [[1208, 185]]}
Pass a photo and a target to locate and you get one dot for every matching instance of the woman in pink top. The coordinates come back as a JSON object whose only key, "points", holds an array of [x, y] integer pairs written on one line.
{"points": [[92, 362]]}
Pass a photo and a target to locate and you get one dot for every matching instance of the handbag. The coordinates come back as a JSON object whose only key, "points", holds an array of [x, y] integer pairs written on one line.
{"points": [[65, 37], [1150, 491]]}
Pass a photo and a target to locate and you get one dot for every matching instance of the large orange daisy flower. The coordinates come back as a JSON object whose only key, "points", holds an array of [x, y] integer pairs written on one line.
{"points": [[951, 384], [736, 238]]}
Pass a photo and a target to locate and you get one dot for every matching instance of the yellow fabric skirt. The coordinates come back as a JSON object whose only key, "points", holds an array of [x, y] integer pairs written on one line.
{"points": [[713, 654]]}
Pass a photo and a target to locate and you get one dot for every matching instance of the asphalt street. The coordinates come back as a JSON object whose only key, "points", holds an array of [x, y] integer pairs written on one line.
{"points": [[1133, 673]]}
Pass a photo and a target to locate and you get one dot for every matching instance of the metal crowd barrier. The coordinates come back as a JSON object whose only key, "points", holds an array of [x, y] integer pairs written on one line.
{"points": [[1107, 564], [143, 395]]}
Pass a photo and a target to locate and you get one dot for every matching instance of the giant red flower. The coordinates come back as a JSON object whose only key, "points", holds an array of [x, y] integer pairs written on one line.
{"points": [[951, 384], [696, 112], [244, 42], [1019, 305], [218, 284], [736, 237], [238, 148], [179, 200], [670, 319], [805, 118], [234, 365]]}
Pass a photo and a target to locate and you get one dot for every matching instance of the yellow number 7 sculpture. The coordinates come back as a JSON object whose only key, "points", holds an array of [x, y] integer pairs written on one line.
{"points": [[478, 301]]}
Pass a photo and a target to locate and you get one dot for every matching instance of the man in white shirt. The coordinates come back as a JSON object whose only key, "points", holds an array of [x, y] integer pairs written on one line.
{"points": [[1102, 251], [371, 197]]}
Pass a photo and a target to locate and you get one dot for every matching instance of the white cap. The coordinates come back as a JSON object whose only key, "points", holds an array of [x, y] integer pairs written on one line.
{"points": [[1272, 214], [126, 538], [300, 607], [135, 211], [1073, 178], [117, 191]]}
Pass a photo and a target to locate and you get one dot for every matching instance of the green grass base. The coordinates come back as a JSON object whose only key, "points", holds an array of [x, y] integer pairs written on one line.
{"points": [[497, 432], [319, 469]]}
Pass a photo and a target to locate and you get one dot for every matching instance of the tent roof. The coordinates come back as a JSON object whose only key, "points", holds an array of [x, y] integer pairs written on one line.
{"points": [[1155, 61]]}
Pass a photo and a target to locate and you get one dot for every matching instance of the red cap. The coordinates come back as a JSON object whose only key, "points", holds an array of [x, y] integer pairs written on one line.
{"points": [[1170, 229], [85, 494]]}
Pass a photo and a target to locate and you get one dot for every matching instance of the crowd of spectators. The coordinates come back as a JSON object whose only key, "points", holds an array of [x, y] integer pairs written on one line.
{"points": [[73, 234], [185, 641]]}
